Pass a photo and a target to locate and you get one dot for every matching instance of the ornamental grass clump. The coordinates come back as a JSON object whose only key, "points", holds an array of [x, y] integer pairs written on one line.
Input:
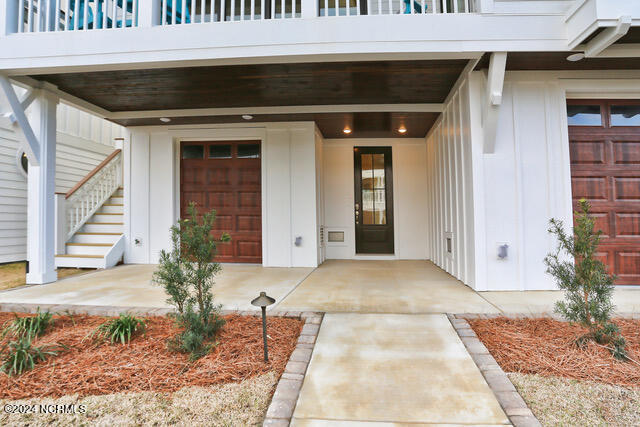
{"points": [[187, 274], [32, 326], [120, 329], [21, 355], [587, 284]]}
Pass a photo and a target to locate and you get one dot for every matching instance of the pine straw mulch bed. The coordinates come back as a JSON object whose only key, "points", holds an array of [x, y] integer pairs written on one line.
{"points": [[145, 364], [547, 347]]}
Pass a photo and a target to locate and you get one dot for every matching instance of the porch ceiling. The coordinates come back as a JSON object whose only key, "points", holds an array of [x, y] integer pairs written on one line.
{"points": [[370, 82]]}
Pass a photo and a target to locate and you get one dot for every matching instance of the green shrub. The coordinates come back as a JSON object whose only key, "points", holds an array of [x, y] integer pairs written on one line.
{"points": [[33, 326], [120, 329], [187, 274], [195, 338], [584, 278], [20, 356]]}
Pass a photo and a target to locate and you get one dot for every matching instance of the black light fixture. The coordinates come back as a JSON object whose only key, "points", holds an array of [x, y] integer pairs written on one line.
{"points": [[263, 301]]}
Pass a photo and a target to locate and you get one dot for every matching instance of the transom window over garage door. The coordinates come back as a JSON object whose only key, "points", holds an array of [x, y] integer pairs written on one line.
{"points": [[225, 176], [604, 142]]}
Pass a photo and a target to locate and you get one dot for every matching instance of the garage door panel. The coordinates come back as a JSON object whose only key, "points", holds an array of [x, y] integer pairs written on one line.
{"points": [[221, 199], [588, 152], [593, 187], [626, 153], [626, 188], [605, 170], [231, 186], [627, 225]]}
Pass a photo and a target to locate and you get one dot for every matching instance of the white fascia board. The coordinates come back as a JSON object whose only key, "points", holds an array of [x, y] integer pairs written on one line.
{"points": [[608, 37], [346, 38]]}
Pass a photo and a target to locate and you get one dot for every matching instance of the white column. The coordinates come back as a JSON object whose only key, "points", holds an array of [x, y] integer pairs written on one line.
{"points": [[41, 213]]}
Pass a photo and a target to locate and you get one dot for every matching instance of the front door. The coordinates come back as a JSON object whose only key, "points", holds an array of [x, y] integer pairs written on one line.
{"points": [[225, 176], [373, 200]]}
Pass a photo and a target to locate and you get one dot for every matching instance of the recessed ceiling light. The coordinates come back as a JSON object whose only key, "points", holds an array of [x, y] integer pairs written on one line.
{"points": [[402, 129], [247, 116], [576, 57], [347, 130], [165, 119]]}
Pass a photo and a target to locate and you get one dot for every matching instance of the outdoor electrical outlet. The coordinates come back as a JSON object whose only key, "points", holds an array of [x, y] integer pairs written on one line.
{"points": [[298, 241], [503, 251]]}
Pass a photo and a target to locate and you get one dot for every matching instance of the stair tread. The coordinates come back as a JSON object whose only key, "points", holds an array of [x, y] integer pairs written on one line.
{"points": [[89, 244], [107, 213], [105, 223], [100, 234], [79, 256], [113, 204]]}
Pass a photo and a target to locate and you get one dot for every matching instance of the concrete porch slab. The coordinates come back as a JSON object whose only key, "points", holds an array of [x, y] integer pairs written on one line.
{"points": [[130, 286], [625, 300], [384, 287], [393, 368]]}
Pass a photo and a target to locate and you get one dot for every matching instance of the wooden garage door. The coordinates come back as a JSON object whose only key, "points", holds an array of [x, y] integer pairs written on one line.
{"points": [[225, 176], [604, 141]]}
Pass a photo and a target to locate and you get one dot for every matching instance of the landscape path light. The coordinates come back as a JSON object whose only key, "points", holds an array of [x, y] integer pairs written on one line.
{"points": [[263, 301]]}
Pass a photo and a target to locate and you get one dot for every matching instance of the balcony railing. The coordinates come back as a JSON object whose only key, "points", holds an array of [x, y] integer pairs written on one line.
{"points": [[29, 16]]}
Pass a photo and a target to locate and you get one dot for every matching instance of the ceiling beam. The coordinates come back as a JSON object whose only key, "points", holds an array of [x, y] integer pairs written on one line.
{"points": [[299, 109]]}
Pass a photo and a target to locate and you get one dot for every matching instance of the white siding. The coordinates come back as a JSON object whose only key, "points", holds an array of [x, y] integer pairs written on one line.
{"points": [[79, 149], [449, 189], [524, 183]]}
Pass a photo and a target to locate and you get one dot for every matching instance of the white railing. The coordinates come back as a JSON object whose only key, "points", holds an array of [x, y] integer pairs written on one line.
{"points": [[34, 16], [201, 11], [393, 7], [91, 193]]}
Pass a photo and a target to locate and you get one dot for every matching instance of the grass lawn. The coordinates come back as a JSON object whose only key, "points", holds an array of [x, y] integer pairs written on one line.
{"points": [[583, 403], [13, 275], [235, 404]]}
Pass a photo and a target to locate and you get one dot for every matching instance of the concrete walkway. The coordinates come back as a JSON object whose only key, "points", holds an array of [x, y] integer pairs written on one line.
{"points": [[393, 368]]}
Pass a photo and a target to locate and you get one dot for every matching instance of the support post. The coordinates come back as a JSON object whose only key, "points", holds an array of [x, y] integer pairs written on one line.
{"points": [[493, 99], [9, 22], [61, 223], [149, 13], [41, 213], [309, 9]]}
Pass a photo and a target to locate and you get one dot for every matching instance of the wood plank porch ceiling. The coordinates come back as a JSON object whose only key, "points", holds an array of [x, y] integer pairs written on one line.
{"points": [[329, 83]]}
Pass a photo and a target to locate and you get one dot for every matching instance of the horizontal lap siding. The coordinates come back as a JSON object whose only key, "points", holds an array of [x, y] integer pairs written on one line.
{"points": [[450, 199], [83, 142]]}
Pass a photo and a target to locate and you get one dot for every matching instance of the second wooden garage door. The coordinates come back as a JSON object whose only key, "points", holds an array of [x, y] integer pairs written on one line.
{"points": [[604, 141], [225, 176]]}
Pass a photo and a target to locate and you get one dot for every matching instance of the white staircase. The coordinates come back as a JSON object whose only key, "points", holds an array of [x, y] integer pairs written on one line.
{"points": [[90, 219]]}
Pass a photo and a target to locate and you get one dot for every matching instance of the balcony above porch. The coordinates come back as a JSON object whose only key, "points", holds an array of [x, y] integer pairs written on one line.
{"points": [[43, 36]]}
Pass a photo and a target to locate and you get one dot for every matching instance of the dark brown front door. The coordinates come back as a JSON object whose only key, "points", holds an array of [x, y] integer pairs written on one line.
{"points": [[604, 143], [374, 200], [225, 176]]}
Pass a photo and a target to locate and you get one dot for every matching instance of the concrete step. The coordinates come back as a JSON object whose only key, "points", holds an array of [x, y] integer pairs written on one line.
{"points": [[103, 227], [112, 208], [95, 237], [88, 248], [106, 217], [80, 261]]}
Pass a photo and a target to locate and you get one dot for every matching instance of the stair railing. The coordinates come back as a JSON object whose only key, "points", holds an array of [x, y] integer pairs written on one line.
{"points": [[76, 206]]}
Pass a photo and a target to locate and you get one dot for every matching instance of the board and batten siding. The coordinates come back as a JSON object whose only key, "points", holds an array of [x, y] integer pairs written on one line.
{"points": [[450, 189], [83, 142]]}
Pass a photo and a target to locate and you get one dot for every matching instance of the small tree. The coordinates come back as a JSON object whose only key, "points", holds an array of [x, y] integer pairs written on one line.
{"points": [[587, 285], [187, 273]]}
